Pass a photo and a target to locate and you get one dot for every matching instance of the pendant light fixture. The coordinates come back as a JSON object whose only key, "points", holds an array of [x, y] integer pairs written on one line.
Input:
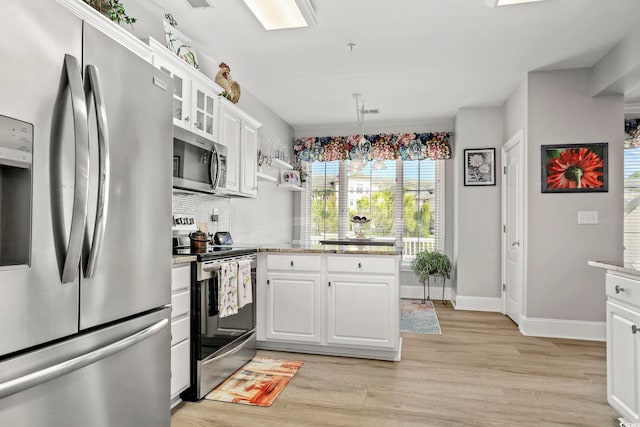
{"points": [[358, 160]]}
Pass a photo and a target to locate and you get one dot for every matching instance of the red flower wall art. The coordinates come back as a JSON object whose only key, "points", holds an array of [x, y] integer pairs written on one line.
{"points": [[574, 168]]}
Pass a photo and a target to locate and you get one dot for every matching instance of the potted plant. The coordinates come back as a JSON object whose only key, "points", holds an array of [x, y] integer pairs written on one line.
{"points": [[431, 263], [112, 9]]}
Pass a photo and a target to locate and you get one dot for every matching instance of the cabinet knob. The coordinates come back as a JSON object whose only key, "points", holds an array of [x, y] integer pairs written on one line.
{"points": [[359, 265], [186, 119], [291, 263], [329, 284], [634, 329], [618, 290], [268, 282]]}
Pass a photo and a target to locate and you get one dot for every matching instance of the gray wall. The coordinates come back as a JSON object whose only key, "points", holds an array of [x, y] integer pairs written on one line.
{"points": [[477, 211], [560, 285]]}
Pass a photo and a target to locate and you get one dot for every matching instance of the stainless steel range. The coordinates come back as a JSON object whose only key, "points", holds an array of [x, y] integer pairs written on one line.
{"points": [[219, 345]]}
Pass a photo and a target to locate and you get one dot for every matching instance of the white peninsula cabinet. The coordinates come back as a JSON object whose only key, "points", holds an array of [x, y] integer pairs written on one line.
{"points": [[293, 298], [623, 345], [361, 295], [327, 303]]}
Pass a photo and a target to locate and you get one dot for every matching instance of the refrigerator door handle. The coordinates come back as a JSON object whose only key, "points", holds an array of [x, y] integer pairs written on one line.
{"points": [[47, 374], [94, 86], [81, 184]]}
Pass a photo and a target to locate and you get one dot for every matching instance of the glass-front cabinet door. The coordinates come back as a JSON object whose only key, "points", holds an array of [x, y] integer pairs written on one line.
{"points": [[203, 109]]}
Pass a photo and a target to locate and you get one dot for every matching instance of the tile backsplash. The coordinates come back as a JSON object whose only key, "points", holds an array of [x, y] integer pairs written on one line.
{"points": [[202, 206]]}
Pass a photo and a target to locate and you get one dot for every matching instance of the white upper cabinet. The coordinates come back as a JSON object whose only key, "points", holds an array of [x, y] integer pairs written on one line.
{"points": [[194, 95], [198, 108], [239, 133]]}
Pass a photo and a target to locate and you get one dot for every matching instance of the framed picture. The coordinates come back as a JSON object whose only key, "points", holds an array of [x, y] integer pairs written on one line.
{"points": [[179, 44], [290, 177], [480, 166], [575, 168]]}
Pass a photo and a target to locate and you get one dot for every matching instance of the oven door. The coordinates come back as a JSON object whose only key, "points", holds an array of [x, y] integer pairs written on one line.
{"points": [[220, 345]]}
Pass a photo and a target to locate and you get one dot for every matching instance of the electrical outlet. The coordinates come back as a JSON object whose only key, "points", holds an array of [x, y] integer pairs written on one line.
{"points": [[215, 215], [588, 217]]}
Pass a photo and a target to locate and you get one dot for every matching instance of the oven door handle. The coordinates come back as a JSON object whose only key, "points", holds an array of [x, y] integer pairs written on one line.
{"points": [[232, 351]]}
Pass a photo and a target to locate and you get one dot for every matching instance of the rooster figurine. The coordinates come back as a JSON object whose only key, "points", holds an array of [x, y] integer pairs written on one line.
{"points": [[231, 87]]}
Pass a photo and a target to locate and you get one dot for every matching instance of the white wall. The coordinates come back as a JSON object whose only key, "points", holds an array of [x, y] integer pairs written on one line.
{"points": [[477, 210], [560, 284]]}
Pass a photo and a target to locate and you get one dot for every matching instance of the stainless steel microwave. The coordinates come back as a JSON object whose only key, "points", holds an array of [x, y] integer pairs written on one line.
{"points": [[198, 164]]}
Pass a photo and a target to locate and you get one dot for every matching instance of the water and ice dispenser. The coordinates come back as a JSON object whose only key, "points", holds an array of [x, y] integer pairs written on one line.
{"points": [[16, 161]]}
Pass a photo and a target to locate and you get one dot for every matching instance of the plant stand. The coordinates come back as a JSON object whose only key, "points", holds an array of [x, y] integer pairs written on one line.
{"points": [[426, 289]]}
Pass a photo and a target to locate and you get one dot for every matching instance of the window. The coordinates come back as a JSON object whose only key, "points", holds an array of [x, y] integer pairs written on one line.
{"points": [[632, 207], [404, 202]]}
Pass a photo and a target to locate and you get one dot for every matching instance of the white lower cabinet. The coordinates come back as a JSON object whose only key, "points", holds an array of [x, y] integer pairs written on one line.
{"points": [[361, 311], [623, 345], [180, 330], [293, 307], [329, 304]]}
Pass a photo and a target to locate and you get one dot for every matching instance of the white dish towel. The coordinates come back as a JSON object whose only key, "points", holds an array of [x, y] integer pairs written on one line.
{"points": [[245, 294], [228, 289]]}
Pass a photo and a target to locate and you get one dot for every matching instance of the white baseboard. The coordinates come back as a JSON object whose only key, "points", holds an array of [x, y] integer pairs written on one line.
{"points": [[463, 302], [416, 292], [569, 329]]}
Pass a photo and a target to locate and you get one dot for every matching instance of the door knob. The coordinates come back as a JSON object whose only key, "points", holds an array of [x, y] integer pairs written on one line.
{"points": [[619, 289]]}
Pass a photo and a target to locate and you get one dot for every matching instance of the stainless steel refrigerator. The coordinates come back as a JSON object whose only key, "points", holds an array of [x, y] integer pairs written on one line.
{"points": [[85, 211]]}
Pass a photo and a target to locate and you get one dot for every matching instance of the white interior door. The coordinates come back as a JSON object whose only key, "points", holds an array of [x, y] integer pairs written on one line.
{"points": [[513, 226]]}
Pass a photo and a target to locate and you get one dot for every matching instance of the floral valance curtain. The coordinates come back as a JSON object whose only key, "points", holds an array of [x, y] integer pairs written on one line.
{"points": [[631, 133], [382, 146]]}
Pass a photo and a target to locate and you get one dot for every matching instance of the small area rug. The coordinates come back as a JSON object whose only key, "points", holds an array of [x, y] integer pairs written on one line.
{"points": [[258, 382], [418, 318]]}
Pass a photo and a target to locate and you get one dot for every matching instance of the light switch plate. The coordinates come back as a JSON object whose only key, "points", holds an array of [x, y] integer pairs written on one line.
{"points": [[588, 217]]}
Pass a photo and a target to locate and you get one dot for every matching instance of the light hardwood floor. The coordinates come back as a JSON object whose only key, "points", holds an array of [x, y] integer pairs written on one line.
{"points": [[480, 371]]}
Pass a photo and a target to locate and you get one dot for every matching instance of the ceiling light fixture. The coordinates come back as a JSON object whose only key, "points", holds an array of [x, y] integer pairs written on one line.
{"points": [[282, 14], [199, 4], [497, 3]]}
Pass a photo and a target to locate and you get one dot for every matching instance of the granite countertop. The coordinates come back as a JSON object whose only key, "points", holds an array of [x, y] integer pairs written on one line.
{"points": [[615, 266], [329, 249], [182, 259]]}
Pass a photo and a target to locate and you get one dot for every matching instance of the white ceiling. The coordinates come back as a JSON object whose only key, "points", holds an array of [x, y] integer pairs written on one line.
{"points": [[414, 60]]}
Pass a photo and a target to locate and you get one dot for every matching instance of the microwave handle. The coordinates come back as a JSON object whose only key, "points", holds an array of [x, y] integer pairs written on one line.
{"points": [[215, 174]]}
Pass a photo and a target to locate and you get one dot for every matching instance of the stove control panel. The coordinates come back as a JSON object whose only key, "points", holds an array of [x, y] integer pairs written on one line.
{"points": [[184, 224]]}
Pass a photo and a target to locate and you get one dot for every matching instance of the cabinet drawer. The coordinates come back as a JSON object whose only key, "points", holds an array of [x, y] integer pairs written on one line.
{"points": [[181, 277], [179, 330], [293, 262], [623, 289], [179, 367], [180, 304], [365, 265]]}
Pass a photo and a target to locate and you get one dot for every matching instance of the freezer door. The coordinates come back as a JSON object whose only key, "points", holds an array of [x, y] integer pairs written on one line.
{"points": [[133, 269], [36, 306], [116, 376]]}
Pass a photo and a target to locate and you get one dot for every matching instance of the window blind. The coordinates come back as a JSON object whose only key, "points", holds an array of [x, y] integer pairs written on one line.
{"points": [[403, 201], [632, 207]]}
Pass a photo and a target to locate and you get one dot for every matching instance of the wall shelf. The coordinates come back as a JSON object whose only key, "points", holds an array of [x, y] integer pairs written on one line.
{"points": [[291, 187], [265, 177], [277, 163]]}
